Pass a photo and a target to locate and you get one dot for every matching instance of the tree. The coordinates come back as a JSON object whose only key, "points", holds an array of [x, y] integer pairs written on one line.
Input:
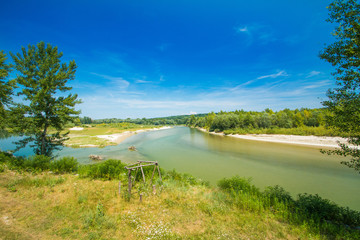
{"points": [[344, 55], [6, 89], [45, 108]]}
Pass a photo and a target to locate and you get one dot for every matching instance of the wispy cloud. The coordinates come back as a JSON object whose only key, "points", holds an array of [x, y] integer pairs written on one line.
{"points": [[312, 74], [275, 75], [242, 29], [142, 81], [259, 33], [117, 81]]}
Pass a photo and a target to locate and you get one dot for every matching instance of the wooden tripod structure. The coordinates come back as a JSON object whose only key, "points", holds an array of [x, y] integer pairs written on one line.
{"points": [[140, 165]]}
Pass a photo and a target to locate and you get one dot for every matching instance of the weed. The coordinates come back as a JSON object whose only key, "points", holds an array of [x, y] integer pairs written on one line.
{"points": [[64, 165]]}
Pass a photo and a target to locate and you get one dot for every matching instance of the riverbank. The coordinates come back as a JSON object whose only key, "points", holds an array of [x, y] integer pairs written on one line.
{"points": [[120, 137], [87, 202], [316, 141], [92, 137]]}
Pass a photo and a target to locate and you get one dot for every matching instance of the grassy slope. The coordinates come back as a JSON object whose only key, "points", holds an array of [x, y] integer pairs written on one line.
{"points": [[49, 206], [87, 136], [303, 131]]}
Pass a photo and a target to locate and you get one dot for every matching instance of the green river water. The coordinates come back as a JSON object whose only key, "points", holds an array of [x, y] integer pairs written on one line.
{"points": [[297, 168]]}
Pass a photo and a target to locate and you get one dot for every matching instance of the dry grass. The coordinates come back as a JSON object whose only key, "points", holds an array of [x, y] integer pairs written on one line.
{"points": [[87, 136], [50, 206]]}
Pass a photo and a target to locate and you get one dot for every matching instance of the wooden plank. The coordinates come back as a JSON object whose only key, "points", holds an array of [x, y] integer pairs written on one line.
{"points": [[142, 171], [133, 168], [129, 178], [152, 176], [159, 171]]}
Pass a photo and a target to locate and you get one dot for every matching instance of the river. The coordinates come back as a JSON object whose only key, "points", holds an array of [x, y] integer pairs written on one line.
{"points": [[297, 168]]}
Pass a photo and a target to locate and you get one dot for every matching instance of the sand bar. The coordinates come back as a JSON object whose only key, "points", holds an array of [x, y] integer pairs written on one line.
{"points": [[119, 137], [318, 141]]}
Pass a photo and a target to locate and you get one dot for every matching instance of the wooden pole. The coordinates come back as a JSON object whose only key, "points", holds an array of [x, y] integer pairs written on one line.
{"points": [[142, 171], [152, 176], [158, 170], [129, 176], [141, 197], [135, 175]]}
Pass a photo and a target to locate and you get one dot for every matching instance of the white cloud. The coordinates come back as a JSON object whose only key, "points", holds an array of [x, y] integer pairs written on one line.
{"points": [[259, 33], [117, 81], [142, 81], [312, 74], [275, 75], [242, 29]]}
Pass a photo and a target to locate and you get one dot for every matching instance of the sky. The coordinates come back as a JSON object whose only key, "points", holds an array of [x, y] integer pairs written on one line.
{"points": [[148, 59]]}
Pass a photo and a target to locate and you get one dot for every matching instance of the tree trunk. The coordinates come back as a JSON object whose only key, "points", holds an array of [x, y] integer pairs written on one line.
{"points": [[43, 141]]}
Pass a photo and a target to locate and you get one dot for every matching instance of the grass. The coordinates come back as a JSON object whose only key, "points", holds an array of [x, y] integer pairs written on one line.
{"points": [[303, 131], [50, 206], [87, 136]]}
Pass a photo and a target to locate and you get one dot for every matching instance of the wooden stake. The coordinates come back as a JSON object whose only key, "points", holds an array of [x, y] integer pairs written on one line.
{"points": [[152, 176], [129, 176], [158, 170], [142, 171], [141, 197]]}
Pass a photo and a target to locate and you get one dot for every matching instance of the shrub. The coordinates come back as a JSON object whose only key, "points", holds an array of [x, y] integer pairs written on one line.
{"points": [[238, 184], [5, 157], [183, 178], [278, 194], [107, 170], [37, 163], [64, 165], [313, 206]]}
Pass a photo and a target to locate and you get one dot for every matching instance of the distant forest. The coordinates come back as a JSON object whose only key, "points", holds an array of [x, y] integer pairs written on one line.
{"points": [[239, 119], [173, 120]]}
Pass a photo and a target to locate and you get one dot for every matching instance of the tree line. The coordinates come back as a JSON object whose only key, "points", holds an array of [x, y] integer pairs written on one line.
{"points": [[260, 120], [172, 120]]}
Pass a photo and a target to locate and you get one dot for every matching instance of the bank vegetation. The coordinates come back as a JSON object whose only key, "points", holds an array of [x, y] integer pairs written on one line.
{"points": [[44, 199]]}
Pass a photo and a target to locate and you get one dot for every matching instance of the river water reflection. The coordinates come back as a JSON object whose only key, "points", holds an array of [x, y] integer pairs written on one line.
{"points": [[297, 168]]}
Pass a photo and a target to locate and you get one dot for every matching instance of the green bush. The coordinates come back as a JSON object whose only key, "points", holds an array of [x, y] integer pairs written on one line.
{"points": [[317, 208], [107, 170], [183, 178], [5, 157], [64, 165], [278, 194], [2, 167], [37, 163], [238, 184]]}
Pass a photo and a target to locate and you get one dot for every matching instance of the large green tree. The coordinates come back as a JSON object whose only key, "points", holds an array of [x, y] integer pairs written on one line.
{"points": [[47, 106], [344, 55], [6, 89]]}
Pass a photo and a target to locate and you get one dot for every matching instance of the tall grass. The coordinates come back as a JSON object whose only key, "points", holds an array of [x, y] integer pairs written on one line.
{"points": [[302, 131], [184, 193], [321, 215]]}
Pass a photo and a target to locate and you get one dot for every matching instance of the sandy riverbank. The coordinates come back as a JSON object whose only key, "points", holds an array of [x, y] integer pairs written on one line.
{"points": [[119, 137], [328, 142]]}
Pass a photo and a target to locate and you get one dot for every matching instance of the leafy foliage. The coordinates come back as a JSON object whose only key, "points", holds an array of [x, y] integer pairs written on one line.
{"points": [[239, 120], [306, 207], [64, 165], [107, 170], [6, 89], [43, 80], [344, 55]]}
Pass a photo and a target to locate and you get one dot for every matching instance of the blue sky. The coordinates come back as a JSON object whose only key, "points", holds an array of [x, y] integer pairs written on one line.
{"points": [[162, 58]]}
